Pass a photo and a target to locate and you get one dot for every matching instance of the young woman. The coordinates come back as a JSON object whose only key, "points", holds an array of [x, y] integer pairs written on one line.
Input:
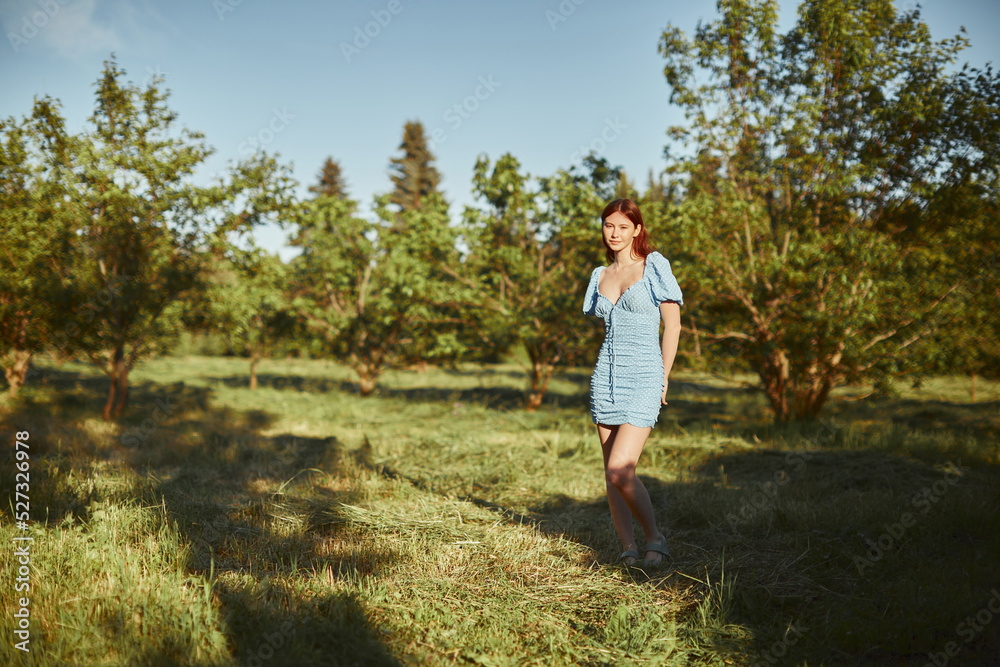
{"points": [[629, 383]]}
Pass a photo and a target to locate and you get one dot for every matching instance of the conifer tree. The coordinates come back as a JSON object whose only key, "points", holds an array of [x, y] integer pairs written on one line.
{"points": [[414, 177], [624, 189], [656, 189], [330, 181]]}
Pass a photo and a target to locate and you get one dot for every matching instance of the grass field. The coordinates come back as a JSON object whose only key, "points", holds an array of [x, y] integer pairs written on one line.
{"points": [[439, 523]]}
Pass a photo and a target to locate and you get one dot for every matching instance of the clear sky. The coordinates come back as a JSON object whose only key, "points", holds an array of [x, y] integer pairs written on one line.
{"points": [[546, 81]]}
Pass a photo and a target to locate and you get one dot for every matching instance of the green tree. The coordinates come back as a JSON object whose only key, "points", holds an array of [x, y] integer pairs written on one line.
{"points": [[530, 256], [369, 289], [625, 189], [249, 306], [657, 190], [967, 336], [330, 181], [148, 234], [413, 174], [35, 236], [809, 149]]}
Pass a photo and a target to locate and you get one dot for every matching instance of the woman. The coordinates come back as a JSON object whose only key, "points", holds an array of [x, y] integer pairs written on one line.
{"points": [[627, 387]]}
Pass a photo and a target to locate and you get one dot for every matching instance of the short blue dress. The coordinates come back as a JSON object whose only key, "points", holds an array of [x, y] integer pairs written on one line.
{"points": [[628, 377]]}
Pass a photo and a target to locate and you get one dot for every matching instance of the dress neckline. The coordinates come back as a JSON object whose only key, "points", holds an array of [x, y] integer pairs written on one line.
{"points": [[645, 265]]}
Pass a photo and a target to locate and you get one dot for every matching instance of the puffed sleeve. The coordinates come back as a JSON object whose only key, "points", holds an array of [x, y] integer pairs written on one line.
{"points": [[590, 298], [663, 285]]}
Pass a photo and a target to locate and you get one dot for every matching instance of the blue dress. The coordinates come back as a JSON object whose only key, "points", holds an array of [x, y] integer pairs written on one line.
{"points": [[628, 377]]}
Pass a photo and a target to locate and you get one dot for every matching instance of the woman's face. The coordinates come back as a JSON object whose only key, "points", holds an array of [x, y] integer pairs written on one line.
{"points": [[619, 232]]}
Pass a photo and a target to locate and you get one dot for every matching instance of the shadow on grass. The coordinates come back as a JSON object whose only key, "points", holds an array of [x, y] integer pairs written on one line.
{"points": [[261, 514], [721, 408], [499, 398], [831, 557], [271, 625], [818, 543]]}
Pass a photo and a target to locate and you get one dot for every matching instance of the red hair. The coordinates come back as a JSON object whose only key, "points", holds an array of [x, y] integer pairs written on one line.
{"points": [[628, 208]]}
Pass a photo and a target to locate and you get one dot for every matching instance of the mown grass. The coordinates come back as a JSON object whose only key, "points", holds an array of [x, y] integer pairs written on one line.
{"points": [[438, 523]]}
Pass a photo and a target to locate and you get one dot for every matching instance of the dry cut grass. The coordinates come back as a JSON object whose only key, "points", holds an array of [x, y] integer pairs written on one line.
{"points": [[438, 523]]}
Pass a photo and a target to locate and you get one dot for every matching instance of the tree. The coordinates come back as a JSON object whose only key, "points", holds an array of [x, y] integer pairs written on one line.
{"points": [[35, 236], [625, 189], [330, 181], [656, 190], [811, 152], [369, 289], [414, 177], [968, 338], [146, 235], [249, 305], [531, 253]]}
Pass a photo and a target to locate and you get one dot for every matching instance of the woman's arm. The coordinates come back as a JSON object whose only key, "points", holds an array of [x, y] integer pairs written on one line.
{"points": [[671, 313]]}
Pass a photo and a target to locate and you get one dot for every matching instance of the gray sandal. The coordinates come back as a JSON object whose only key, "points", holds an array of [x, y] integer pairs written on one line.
{"points": [[660, 548], [631, 553]]}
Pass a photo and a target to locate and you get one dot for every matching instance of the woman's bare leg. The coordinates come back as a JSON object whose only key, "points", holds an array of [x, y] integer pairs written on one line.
{"points": [[620, 512], [627, 497]]}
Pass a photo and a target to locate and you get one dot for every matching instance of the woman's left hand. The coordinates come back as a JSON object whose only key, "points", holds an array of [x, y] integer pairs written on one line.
{"points": [[663, 396]]}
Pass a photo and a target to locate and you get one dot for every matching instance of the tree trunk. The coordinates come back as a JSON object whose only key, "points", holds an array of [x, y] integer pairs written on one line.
{"points": [[123, 392], [368, 371], [773, 374], [254, 360], [367, 383], [697, 339], [118, 392], [541, 372], [110, 404], [972, 376], [18, 370], [811, 400]]}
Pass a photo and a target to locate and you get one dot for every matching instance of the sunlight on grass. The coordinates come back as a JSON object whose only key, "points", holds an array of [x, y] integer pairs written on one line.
{"points": [[439, 523]]}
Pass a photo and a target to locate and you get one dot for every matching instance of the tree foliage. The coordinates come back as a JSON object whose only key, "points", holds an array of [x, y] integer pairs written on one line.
{"points": [[330, 181], [413, 174], [815, 154], [35, 236], [368, 289], [531, 250], [249, 306], [133, 234]]}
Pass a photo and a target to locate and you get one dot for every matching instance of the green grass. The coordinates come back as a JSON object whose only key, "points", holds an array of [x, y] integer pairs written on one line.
{"points": [[438, 523]]}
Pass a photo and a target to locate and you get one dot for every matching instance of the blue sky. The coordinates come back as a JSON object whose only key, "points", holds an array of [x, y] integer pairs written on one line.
{"points": [[545, 81]]}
